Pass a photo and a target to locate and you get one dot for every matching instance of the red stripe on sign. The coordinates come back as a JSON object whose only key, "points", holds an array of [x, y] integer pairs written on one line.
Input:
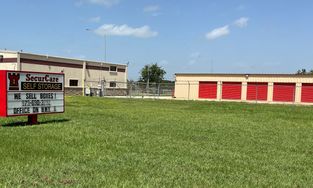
{"points": [[3, 93], [307, 93], [231, 90], [207, 90], [257, 91], [284, 92]]}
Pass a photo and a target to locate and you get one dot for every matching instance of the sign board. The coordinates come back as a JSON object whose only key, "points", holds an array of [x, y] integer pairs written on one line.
{"points": [[31, 93]]}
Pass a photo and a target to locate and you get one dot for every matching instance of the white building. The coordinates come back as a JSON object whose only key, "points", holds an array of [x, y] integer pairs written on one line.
{"points": [[80, 75]]}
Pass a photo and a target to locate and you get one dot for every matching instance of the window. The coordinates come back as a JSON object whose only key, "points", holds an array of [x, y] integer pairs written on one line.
{"points": [[121, 70], [112, 84], [113, 68], [73, 82]]}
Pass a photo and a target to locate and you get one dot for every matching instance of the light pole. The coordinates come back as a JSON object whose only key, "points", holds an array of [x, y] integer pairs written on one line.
{"points": [[101, 81], [105, 61]]}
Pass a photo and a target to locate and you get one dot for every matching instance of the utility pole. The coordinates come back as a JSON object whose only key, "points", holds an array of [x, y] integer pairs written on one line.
{"points": [[101, 80]]}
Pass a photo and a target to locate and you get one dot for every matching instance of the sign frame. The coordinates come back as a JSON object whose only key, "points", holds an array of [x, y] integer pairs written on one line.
{"points": [[32, 117]]}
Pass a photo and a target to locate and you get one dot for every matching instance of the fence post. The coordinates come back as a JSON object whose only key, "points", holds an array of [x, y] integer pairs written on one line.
{"points": [[159, 89], [103, 87], [130, 90], [83, 78]]}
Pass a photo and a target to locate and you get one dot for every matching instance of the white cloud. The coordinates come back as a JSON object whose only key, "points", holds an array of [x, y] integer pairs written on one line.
{"points": [[225, 30], [96, 19], [107, 3], [125, 30], [242, 22], [218, 32], [151, 8]]}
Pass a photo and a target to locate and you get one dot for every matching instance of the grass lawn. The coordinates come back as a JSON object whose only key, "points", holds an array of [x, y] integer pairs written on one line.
{"points": [[132, 143]]}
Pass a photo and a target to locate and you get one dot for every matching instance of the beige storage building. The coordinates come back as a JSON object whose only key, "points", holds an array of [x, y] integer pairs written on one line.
{"points": [[259, 88], [81, 76]]}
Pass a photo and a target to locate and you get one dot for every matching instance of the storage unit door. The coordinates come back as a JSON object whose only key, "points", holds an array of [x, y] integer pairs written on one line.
{"points": [[284, 92], [257, 91], [307, 93], [207, 90], [231, 90]]}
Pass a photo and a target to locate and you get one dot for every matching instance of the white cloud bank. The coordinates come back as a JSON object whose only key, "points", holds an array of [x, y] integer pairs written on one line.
{"points": [[225, 30], [218, 32], [125, 30], [242, 22]]}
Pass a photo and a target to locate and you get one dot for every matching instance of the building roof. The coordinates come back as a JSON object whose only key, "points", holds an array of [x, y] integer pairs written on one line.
{"points": [[59, 57], [241, 74]]}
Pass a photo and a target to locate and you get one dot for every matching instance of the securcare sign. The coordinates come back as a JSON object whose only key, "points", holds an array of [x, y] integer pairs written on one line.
{"points": [[28, 93]]}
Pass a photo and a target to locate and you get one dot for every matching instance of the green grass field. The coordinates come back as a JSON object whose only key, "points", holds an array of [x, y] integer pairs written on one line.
{"points": [[132, 143]]}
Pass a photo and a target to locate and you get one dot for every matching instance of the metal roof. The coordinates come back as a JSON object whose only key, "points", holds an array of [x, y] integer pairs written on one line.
{"points": [[242, 74], [59, 57]]}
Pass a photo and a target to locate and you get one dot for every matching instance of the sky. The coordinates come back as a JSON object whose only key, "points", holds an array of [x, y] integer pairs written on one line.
{"points": [[182, 36]]}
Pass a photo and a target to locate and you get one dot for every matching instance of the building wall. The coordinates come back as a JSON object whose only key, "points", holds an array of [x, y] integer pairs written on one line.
{"points": [[9, 54], [93, 77], [87, 73], [69, 72], [8, 66], [187, 85], [8, 61]]}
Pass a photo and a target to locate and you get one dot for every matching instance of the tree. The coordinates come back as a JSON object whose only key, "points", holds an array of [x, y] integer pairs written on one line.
{"points": [[304, 72], [152, 73], [301, 71]]}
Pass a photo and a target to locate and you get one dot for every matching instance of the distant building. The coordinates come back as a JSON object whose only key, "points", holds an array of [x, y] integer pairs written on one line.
{"points": [[261, 88], [81, 76]]}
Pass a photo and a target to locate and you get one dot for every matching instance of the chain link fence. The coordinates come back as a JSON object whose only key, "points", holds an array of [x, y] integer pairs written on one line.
{"points": [[123, 89], [151, 89], [193, 90]]}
